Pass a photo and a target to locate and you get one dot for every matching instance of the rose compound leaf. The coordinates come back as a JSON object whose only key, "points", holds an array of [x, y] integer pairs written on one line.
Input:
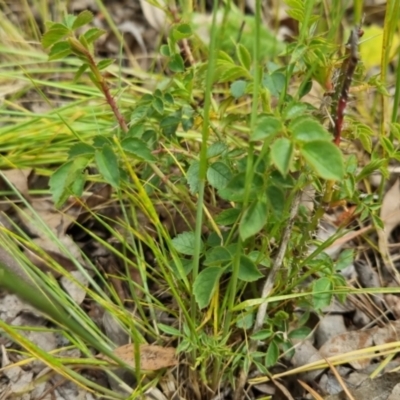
{"points": [[184, 243], [80, 149], [308, 130], [78, 185], [217, 255], [233, 73], [275, 83], [216, 149], [218, 175], [272, 354], [244, 56], [103, 64], [205, 285], [138, 148], [248, 271], [300, 333], [234, 191], [322, 293], [282, 154], [93, 34], [54, 35], [254, 219], [228, 216], [107, 163], [59, 185], [68, 179], [60, 50], [266, 127], [176, 63], [325, 158], [182, 31], [294, 109], [192, 177], [238, 88], [85, 17]]}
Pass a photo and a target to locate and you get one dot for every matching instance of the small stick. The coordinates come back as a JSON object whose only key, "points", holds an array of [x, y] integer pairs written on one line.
{"points": [[268, 286]]}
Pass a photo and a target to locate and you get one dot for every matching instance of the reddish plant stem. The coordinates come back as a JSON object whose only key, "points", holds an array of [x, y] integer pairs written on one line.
{"points": [[111, 101], [341, 95], [102, 84]]}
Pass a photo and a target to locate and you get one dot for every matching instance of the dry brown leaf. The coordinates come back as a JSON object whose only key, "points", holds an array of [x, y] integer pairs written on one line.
{"points": [[19, 178], [339, 243], [347, 342], [390, 209], [356, 340], [393, 302], [56, 253], [390, 216], [152, 357], [55, 220], [154, 16]]}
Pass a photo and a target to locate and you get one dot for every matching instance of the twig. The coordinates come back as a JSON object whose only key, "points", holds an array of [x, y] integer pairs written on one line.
{"points": [[268, 286], [341, 94], [269, 282]]}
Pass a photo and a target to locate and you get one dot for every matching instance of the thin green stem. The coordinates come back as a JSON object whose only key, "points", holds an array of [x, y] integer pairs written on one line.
{"points": [[396, 100], [213, 51], [250, 161]]}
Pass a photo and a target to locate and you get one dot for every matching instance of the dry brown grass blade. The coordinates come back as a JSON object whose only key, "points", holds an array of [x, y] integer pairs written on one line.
{"points": [[340, 380], [310, 390], [283, 389]]}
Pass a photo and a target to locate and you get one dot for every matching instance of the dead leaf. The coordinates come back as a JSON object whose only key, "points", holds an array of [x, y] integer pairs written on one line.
{"points": [[55, 220], [19, 179], [356, 340], [390, 209], [390, 216], [56, 253], [347, 342], [155, 16], [393, 303], [152, 357]]}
